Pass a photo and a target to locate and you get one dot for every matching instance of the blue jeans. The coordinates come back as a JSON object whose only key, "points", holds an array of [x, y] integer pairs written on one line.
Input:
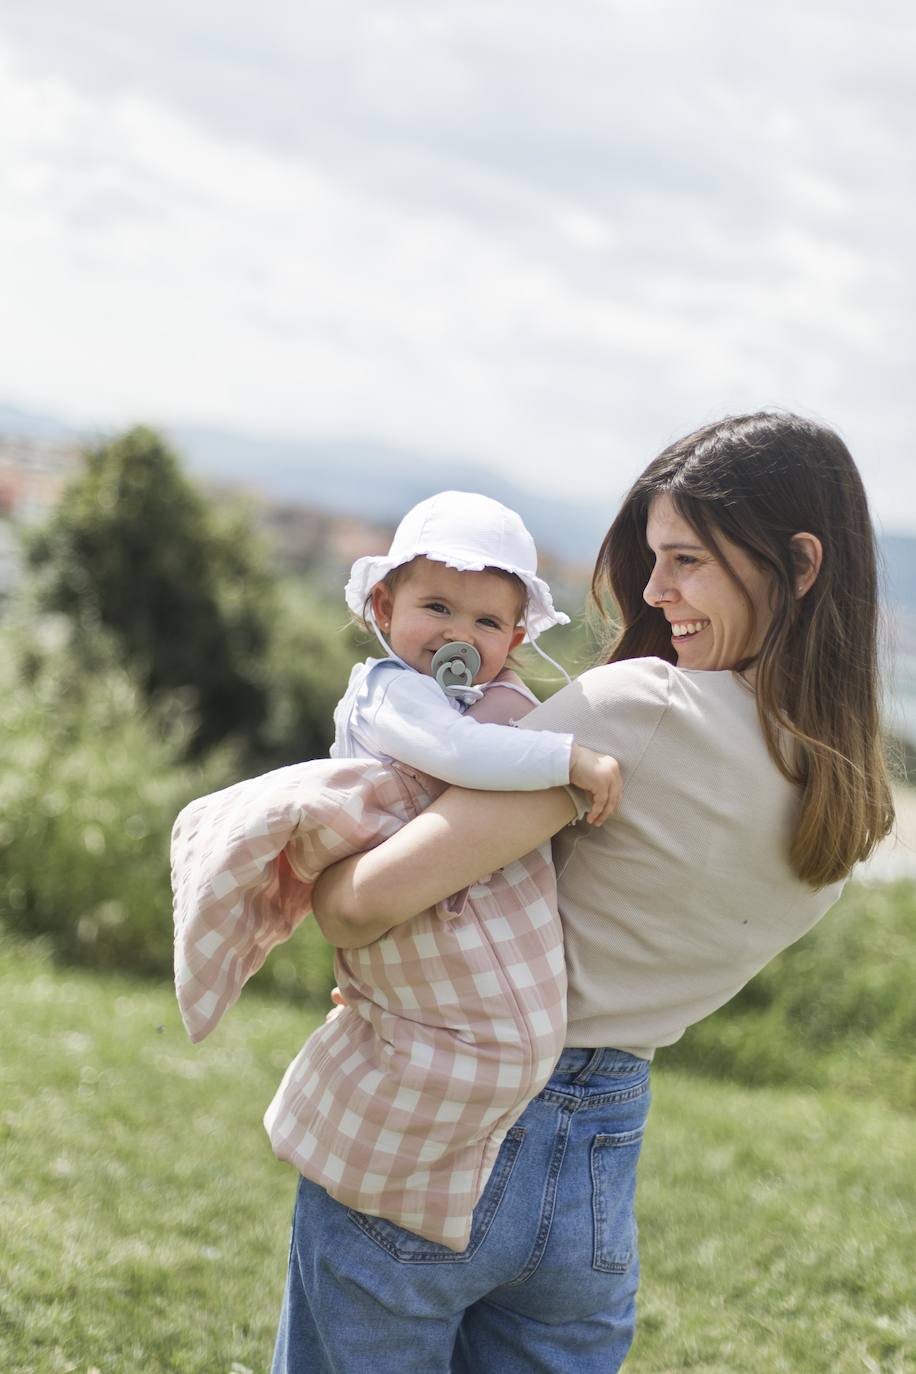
{"points": [[548, 1282]]}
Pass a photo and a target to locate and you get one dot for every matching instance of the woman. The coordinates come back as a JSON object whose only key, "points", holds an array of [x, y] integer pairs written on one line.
{"points": [[741, 702]]}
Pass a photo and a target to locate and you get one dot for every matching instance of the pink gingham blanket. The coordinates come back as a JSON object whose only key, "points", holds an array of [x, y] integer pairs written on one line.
{"points": [[397, 1104]]}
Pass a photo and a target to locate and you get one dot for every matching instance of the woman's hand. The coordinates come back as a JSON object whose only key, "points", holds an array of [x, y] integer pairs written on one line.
{"points": [[457, 840]]}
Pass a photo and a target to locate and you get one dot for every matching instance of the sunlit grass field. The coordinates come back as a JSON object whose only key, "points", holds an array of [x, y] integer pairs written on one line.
{"points": [[144, 1221]]}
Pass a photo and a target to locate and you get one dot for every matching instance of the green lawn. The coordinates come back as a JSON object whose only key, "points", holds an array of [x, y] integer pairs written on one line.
{"points": [[144, 1221]]}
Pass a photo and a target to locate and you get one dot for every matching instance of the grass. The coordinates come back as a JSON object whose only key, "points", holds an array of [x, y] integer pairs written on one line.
{"points": [[145, 1221], [778, 1230]]}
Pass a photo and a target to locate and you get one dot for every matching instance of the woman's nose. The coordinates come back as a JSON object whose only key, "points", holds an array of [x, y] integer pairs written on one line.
{"points": [[654, 592]]}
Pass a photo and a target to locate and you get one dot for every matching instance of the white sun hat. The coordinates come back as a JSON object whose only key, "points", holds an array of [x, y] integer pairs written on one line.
{"points": [[467, 531]]}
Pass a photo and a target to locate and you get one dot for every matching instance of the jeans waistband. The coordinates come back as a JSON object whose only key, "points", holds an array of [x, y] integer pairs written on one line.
{"points": [[583, 1064]]}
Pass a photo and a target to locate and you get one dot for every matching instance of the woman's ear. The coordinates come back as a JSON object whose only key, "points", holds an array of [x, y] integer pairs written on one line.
{"points": [[382, 606], [807, 556]]}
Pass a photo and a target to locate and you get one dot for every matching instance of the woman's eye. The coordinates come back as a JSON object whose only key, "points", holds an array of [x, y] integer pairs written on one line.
{"points": [[686, 560]]}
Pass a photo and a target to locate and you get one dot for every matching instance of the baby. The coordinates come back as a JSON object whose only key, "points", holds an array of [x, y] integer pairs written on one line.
{"points": [[450, 1023], [460, 575]]}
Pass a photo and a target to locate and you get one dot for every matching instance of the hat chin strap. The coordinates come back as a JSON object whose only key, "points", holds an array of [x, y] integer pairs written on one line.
{"points": [[467, 694], [389, 652], [553, 663]]}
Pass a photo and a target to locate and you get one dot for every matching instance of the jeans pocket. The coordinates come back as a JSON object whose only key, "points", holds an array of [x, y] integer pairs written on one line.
{"points": [[613, 1167], [407, 1248]]}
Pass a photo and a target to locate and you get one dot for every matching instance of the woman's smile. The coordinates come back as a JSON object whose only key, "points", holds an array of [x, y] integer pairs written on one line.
{"points": [[684, 629], [718, 615]]}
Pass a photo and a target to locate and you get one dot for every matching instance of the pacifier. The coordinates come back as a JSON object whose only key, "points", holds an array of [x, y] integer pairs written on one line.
{"points": [[455, 666]]}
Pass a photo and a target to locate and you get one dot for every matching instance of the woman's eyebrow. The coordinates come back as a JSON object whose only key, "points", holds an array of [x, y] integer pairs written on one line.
{"points": [[679, 544]]}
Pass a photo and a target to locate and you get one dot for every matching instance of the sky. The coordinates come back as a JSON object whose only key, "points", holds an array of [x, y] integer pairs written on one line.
{"points": [[550, 238]]}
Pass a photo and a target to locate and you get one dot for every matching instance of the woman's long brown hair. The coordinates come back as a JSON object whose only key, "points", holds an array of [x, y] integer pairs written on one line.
{"points": [[757, 480]]}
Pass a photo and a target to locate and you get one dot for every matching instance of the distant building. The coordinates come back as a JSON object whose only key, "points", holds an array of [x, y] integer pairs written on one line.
{"points": [[33, 473]]}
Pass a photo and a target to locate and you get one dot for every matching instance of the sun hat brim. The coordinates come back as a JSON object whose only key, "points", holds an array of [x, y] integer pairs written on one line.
{"points": [[366, 573]]}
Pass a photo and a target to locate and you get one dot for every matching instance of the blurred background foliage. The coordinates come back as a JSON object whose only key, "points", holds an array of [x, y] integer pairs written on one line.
{"points": [[152, 655], [185, 592]]}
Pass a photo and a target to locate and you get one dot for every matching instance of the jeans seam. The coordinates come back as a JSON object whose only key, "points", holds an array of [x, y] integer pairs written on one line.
{"points": [[594, 1099], [548, 1204]]}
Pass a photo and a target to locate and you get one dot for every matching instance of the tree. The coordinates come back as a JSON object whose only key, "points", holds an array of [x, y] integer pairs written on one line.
{"points": [[133, 549]]}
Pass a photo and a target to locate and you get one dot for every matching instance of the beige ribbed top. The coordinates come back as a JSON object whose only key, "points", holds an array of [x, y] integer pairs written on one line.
{"points": [[677, 901]]}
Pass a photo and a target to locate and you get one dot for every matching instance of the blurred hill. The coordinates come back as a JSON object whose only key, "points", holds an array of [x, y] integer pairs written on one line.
{"points": [[379, 483], [323, 503]]}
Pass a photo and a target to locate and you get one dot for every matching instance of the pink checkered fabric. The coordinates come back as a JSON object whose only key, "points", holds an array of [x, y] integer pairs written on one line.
{"points": [[398, 1103]]}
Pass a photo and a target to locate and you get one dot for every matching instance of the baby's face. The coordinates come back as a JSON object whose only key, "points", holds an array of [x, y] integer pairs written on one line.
{"points": [[435, 605]]}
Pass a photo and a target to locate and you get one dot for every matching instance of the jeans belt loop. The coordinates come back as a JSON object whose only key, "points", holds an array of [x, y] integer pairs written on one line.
{"points": [[591, 1067]]}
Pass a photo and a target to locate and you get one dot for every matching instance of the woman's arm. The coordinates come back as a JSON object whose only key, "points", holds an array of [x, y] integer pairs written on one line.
{"points": [[454, 842]]}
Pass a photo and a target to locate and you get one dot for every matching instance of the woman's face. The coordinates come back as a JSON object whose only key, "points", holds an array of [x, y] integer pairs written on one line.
{"points": [[711, 626]]}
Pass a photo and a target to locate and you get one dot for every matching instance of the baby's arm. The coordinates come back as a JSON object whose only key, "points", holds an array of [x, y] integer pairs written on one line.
{"points": [[505, 701], [412, 722], [408, 718], [596, 774]]}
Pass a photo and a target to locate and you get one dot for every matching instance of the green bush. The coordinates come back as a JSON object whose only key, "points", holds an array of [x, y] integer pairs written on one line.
{"points": [[312, 649], [91, 779], [133, 549], [184, 591]]}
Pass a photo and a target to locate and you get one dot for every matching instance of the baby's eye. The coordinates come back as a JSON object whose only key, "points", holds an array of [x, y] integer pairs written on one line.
{"points": [[490, 623], [437, 606]]}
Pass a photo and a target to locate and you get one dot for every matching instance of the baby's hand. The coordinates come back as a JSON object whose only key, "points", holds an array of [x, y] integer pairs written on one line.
{"points": [[599, 776], [337, 998]]}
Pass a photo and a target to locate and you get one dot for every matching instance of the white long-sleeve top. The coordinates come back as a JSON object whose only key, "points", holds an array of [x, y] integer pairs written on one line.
{"points": [[391, 713]]}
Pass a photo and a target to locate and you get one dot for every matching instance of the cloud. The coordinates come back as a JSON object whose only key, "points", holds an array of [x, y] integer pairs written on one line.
{"points": [[471, 226]]}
